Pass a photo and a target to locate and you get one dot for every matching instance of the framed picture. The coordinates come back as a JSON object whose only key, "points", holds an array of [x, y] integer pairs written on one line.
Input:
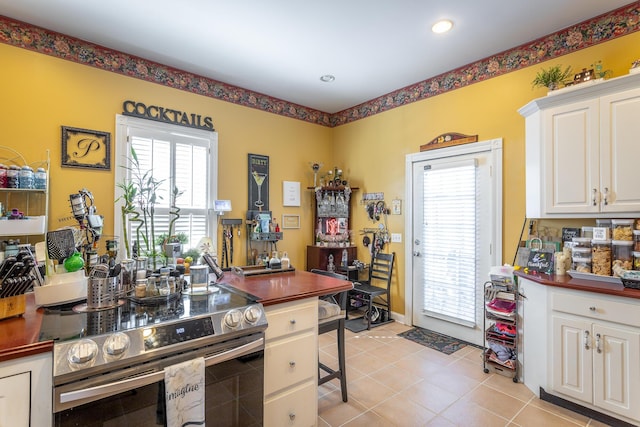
{"points": [[290, 221], [84, 148], [258, 182], [290, 193]]}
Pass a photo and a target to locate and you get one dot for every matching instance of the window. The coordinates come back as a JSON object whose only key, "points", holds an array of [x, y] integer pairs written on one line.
{"points": [[177, 157], [449, 237]]}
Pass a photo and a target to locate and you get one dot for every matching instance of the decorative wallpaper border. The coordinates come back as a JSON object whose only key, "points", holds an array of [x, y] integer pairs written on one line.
{"points": [[614, 24]]}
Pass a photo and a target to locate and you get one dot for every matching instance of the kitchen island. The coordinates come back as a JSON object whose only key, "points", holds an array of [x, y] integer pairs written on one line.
{"points": [[581, 345]]}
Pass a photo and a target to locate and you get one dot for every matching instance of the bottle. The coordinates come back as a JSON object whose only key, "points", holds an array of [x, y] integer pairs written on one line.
{"points": [[26, 178], [163, 285], [275, 262], [344, 262], [40, 179], [284, 261]]}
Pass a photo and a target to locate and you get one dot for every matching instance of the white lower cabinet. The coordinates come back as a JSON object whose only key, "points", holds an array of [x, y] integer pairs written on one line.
{"points": [[594, 359], [25, 391], [291, 364]]}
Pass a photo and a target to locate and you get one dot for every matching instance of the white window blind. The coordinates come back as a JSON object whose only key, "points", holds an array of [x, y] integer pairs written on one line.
{"points": [[449, 241], [182, 159]]}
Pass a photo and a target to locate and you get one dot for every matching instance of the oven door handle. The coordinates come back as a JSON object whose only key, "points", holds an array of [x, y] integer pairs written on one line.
{"points": [[143, 380]]}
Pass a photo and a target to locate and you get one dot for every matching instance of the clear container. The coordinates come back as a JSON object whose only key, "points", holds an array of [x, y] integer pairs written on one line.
{"points": [[582, 242], [40, 179], [3, 176], [622, 253], [601, 257], [586, 232], [13, 177], [622, 229], [636, 260], [581, 264], [603, 223], [636, 240], [26, 178]]}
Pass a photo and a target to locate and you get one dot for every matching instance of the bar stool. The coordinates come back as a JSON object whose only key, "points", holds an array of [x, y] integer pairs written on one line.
{"points": [[331, 317]]}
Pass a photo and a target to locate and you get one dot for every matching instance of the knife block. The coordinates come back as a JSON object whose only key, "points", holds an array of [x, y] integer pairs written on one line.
{"points": [[12, 306]]}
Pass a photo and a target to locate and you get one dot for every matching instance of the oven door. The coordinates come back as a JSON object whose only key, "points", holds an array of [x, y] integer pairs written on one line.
{"points": [[135, 396]]}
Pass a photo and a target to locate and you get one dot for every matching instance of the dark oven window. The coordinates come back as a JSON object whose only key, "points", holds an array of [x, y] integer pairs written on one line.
{"points": [[234, 397]]}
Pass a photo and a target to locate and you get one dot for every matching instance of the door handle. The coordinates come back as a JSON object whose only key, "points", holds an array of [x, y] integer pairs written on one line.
{"points": [[594, 198], [606, 196], [586, 340], [598, 348]]}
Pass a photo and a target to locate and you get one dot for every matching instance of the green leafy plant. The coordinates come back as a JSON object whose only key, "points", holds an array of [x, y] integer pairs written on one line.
{"points": [[552, 77]]}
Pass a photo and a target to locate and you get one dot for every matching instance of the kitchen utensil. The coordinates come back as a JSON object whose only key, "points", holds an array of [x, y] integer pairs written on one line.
{"points": [[60, 244]]}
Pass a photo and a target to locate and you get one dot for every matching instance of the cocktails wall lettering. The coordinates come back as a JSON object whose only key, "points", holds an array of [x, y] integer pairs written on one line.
{"points": [[166, 115]]}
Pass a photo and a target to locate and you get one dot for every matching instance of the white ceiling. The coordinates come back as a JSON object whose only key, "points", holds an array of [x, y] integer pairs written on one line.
{"points": [[281, 47]]}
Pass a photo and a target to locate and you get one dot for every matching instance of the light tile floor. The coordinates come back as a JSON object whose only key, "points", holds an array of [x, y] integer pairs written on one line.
{"points": [[395, 382]]}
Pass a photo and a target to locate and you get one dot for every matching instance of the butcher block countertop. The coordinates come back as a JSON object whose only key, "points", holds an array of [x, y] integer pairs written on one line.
{"points": [[19, 335]]}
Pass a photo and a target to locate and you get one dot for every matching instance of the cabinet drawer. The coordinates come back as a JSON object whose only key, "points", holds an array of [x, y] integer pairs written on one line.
{"points": [[289, 318], [289, 361], [296, 407], [597, 308]]}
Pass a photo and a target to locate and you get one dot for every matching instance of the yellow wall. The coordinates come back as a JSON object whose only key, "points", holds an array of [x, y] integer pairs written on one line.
{"points": [[41, 93]]}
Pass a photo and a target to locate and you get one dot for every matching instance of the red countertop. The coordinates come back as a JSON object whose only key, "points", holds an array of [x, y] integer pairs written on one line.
{"points": [[283, 287], [19, 335], [566, 281]]}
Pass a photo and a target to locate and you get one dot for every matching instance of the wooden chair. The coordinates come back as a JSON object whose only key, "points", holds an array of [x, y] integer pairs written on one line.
{"points": [[331, 317], [376, 292]]}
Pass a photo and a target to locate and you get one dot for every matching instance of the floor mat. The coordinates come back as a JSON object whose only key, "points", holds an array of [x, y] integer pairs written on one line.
{"points": [[434, 340]]}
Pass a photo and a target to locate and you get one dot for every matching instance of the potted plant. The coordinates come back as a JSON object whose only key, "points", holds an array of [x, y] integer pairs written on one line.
{"points": [[139, 197], [552, 77]]}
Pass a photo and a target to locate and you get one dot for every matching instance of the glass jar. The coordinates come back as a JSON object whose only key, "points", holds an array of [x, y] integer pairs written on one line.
{"points": [[3, 176], [622, 255], [26, 178], [636, 240], [40, 179], [601, 257], [636, 260], [13, 177], [622, 229]]}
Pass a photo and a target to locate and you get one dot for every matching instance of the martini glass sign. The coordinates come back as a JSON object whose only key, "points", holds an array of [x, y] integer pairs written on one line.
{"points": [[259, 179]]}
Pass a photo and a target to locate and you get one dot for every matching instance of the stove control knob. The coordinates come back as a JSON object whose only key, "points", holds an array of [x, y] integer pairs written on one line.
{"points": [[82, 352], [115, 345], [233, 318], [252, 314]]}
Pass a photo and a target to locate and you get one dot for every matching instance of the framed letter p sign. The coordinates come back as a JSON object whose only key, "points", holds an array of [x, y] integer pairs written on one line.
{"points": [[83, 148]]}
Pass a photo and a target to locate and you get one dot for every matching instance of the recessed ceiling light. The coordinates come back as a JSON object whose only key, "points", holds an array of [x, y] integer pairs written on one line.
{"points": [[327, 78], [442, 26]]}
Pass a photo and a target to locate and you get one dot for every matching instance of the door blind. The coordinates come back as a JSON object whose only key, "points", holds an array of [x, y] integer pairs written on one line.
{"points": [[449, 241]]}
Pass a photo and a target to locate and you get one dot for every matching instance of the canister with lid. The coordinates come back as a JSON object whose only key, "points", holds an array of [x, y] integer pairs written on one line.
{"points": [[622, 253], [622, 229], [26, 178], [636, 260], [581, 260], [636, 240], [40, 179], [586, 232], [12, 176], [3, 176], [601, 257], [582, 242]]}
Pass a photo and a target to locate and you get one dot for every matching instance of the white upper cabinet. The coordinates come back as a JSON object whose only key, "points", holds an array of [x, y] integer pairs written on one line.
{"points": [[582, 150]]}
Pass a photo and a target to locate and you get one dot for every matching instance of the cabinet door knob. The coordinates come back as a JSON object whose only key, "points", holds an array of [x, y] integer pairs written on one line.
{"points": [[292, 321], [598, 349], [292, 416], [592, 308], [606, 196], [292, 364], [586, 340]]}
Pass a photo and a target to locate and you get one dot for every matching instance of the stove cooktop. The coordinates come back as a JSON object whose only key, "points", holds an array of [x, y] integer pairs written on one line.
{"points": [[100, 340]]}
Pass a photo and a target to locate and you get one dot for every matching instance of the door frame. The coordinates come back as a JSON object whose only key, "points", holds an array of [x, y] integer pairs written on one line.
{"points": [[494, 146]]}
